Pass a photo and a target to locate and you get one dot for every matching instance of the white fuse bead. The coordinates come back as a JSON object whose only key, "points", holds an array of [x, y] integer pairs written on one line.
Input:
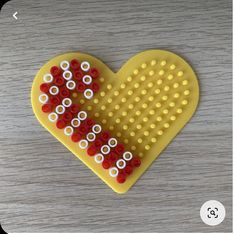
{"points": [[66, 102], [121, 163], [112, 142], [68, 131], [127, 156], [88, 94], [83, 144], [60, 109], [87, 79], [52, 117], [99, 158], [71, 85], [64, 65], [113, 171], [105, 149], [67, 75], [96, 128], [54, 90], [85, 66], [48, 78], [43, 98], [90, 136], [82, 115], [75, 122]]}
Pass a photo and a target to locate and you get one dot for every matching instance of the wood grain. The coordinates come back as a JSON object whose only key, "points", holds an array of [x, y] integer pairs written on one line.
{"points": [[44, 188]]}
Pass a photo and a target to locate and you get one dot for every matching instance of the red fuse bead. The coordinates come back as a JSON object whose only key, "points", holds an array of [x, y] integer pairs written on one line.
{"points": [[80, 87], [67, 116], [76, 137], [74, 108], [98, 143], [59, 81], [135, 161], [121, 178], [106, 164], [46, 108], [78, 75], [64, 92], [83, 129], [112, 157], [104, 136], [95, 87], [55, 71], [91, 151], [89, 122], [74, 64], [128, 169], [60, 124], [44, 87], [55, 100], [119, 149], [94, 73]]}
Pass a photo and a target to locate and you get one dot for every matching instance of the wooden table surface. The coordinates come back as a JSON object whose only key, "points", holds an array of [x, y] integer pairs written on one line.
{"points": [[44, 188]]}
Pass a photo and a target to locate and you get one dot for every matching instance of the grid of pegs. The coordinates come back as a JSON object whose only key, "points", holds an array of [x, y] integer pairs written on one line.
{"points": [[149, 98]]}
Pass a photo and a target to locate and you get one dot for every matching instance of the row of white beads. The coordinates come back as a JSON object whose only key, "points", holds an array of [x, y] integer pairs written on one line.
{"points": [[85, 66]]}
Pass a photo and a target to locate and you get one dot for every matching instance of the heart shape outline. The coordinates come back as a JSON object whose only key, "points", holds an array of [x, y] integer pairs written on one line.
{"points": [[128, 66]]}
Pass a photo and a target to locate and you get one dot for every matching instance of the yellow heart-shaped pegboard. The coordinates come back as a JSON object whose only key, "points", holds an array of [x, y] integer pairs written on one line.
{"points": [[116, 123]]}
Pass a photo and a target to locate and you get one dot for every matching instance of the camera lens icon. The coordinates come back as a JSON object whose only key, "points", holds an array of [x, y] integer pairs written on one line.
{"points": [[212, 212]]}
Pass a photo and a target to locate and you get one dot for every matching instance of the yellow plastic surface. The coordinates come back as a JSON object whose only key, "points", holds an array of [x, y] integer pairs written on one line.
{"points": [[144, 105]]}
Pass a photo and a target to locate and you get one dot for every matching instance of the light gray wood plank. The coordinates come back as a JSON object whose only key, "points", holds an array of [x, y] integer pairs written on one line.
{"points": [[44, 188]]}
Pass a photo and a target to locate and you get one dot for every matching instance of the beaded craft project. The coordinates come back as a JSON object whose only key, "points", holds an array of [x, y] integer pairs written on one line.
{"points": [[116, 123]]}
